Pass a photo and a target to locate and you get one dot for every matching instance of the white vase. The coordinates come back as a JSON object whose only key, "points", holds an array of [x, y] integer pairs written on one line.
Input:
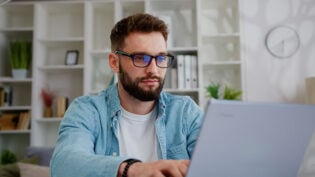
{"points": [[19, 73]]}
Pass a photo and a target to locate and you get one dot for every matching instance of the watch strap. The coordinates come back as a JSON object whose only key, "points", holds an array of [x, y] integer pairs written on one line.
{"points": [[129, 163]]}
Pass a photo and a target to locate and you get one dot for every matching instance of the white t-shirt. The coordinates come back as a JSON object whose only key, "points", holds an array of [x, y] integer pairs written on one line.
{"points": [[137, 137]]}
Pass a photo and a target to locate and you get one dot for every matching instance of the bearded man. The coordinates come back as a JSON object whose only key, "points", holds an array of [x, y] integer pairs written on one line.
{"points": [[133, 128]]}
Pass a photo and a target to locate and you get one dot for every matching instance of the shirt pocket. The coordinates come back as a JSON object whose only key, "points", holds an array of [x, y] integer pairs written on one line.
{"points": [[178, 151]]}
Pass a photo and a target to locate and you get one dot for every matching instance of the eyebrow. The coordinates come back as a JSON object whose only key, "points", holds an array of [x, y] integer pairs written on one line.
{"points": [[144, 53]]}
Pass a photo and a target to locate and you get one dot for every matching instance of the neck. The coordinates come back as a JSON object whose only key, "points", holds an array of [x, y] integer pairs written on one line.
{"points": [[132, 104]]}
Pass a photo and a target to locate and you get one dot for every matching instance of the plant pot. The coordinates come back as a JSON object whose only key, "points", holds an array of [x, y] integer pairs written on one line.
{"points": [[19, 73], [48, 112]]}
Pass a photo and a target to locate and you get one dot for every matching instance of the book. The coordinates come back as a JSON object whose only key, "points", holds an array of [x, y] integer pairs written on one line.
{"points": [[174, 78], [24, 121], [187, 73], [180, 72], [8, 121], [62, 105], [173, 73], [194, 72], [7, 95], [1, 96]]}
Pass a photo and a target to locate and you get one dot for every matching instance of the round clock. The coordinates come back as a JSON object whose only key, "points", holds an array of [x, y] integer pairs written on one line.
{"points": [[282, 41]]}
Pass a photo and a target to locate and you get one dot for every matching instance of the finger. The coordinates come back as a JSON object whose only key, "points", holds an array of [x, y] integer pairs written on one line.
{"points": [[175, 168], [183, 167], [172, 171], [186, 162]]}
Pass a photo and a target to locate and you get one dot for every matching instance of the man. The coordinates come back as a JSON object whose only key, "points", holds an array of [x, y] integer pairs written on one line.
{"points": [[131, 129]]}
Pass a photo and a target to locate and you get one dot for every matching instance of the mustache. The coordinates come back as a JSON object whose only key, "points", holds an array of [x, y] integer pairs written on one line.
{"points": [[150, 77]]}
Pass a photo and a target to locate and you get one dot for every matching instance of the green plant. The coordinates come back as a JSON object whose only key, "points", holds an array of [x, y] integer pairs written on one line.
{"points": [[219, 91], [213, 90], [7, 157], [20, 53], [231, 94]]}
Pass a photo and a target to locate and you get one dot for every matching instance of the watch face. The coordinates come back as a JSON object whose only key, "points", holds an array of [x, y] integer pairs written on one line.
{"points": [[282, 41]]}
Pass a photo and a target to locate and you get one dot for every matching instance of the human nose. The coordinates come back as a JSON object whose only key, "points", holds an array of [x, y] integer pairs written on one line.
{"points": [[152, 67]]}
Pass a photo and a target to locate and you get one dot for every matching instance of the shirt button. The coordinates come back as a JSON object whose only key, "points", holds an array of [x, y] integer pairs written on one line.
{"points": [[114, 153]]}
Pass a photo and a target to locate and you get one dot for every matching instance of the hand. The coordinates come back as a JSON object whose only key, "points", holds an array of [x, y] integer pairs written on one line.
{"points": [[161, 168]]}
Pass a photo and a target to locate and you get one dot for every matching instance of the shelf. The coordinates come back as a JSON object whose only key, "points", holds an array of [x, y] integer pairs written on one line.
{"points": [[97, 52], [181, 19], [15, 131], [221, 35], [102, 74], [100, 54], [100, 24], [15, 108], [12, 80], [218, 16], [183, 49], [53, 68], [229, 74], [221, 63], [132, 7], [14, 15], [63, 39], [17, 29], [220, 48], [180, 90], [49, 120], [59, 20], [218, 4]]}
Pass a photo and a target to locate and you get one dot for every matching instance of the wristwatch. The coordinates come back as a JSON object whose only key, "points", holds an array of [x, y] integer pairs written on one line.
{"points": [[129, 163]]}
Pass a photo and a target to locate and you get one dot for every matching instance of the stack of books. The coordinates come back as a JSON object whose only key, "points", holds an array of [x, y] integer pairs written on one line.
{"points": [[15, 121], [5, 95], [183, 74]]}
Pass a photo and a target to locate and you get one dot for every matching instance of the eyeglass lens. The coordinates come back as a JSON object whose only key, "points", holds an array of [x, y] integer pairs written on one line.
{"points": [[145, 60]]}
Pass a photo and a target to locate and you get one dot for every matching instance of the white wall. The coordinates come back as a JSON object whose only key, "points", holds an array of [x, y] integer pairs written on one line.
{"points": [[268, 78]]}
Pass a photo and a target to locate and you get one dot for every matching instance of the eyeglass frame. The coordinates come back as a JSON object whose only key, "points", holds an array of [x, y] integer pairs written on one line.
{"points": [[132, 57]]}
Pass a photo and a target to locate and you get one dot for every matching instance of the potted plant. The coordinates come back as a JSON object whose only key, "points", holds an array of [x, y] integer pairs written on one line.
{"points": [[219, 91], [48, 98], [7, 157], [20, 58]]}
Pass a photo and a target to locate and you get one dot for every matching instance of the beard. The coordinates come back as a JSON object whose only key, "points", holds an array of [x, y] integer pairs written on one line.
{"points": [[133, 89]]}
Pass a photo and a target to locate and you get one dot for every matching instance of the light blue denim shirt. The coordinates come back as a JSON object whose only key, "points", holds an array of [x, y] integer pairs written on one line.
{"points": [[87, 145]]}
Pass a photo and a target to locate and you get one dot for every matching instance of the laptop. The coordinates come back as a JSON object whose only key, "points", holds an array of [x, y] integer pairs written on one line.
{"points": [[251, 139]]}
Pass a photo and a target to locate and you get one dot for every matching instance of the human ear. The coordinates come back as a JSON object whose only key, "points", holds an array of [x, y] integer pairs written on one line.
{"points": [[113, 62]]}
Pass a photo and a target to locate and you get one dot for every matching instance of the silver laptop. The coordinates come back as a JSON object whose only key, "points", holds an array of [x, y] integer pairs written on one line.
{"points": [[246, 139]]}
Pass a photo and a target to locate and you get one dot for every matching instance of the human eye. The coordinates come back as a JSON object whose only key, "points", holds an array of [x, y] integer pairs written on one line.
{"points": [[146, 58], [142, 58], [138, 57], [161, 58]]}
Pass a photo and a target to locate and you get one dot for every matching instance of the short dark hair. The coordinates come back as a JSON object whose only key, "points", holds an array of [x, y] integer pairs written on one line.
{"points": [[140, 22]]}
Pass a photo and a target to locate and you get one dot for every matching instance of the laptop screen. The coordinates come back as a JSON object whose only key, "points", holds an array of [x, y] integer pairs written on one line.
{"points": [[246, 139]]}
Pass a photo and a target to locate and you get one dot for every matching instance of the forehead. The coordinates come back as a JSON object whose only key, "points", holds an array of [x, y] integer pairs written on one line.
{"points": [[152, 43]]}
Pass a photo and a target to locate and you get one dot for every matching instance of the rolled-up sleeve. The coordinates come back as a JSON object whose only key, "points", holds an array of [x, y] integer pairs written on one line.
{"points": [[74, 154]]}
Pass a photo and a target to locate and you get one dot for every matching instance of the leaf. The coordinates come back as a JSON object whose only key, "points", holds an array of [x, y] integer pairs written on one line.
{"points": [[213, 90], [20, 54], [231, 94], [7, 157]]}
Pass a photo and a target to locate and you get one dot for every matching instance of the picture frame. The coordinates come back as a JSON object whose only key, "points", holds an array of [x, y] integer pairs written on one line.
{"points": [[72, 57]]}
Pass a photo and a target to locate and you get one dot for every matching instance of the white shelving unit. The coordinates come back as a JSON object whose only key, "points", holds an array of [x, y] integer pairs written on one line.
{"points": [[16, 22], [207, 29], [59, 28], [219, 45]]}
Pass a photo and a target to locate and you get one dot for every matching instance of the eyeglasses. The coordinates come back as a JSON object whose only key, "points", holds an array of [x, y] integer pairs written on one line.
{"points": [[144, 60]]}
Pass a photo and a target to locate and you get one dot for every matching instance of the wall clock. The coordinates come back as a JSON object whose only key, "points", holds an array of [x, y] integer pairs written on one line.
{"points": [[282, 41]]}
